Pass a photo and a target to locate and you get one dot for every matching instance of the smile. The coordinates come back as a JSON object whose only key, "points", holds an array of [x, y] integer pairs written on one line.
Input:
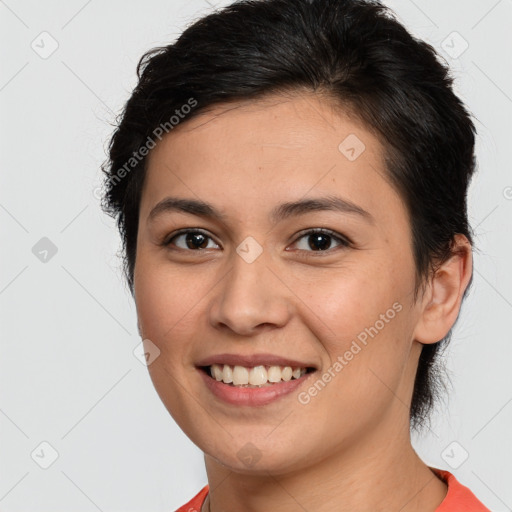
{"points": [[253, 386], [256, 376]]}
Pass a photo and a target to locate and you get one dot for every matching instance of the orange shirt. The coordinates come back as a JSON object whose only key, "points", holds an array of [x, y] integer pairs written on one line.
{"points": [[458, 498]]}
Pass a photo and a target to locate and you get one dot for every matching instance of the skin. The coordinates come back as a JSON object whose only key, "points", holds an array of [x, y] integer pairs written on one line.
{"points": [[349, 448]]}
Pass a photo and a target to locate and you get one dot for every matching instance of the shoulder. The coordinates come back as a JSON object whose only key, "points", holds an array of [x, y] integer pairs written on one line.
{"points": [[459, 498], [195, 504]]}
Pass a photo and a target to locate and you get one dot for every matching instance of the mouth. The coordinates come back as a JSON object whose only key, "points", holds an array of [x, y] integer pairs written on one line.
{"points": [[253, 379], [259, 376]]}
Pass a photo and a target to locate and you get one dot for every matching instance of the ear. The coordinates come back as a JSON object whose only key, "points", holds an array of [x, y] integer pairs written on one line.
{"points": [[443, 296]]}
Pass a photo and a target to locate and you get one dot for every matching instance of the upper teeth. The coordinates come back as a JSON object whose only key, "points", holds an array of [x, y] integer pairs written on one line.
{"points": [[257, 375]]}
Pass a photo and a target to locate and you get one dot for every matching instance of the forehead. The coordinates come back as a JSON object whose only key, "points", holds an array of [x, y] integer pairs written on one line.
{"points": [[277, 148], [303, 123]]}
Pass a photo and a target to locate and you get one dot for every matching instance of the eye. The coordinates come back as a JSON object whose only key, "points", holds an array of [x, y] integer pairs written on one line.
{"points": [[191, 239], [320, 240]]}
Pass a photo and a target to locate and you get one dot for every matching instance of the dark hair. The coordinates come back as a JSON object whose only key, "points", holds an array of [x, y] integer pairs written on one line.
{"points": [[356, 55]]}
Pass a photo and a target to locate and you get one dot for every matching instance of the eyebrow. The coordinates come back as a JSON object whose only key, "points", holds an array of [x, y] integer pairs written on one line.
{"points": [[278, 214]]}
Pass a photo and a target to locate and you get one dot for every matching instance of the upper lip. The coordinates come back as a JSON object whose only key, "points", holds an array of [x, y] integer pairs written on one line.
{"points": [[252, 360]]}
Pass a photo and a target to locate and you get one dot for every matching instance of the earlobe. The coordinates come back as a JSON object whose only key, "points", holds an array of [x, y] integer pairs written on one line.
{"points": [[443, 297]]}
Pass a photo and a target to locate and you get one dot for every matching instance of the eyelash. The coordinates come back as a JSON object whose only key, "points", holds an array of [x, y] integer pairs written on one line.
{"points": [[343, 241]]}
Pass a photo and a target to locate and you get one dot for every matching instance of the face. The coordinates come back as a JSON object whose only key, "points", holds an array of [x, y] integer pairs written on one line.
{"points": [[327, 286]]}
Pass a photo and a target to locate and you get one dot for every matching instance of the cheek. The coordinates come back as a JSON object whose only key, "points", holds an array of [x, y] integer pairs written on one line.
{"points": [[352, 301], [366, 331], [165, 303], [165, 310]]}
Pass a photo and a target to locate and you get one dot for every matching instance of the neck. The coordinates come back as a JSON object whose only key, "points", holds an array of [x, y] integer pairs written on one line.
{"points": [[380, 472]]}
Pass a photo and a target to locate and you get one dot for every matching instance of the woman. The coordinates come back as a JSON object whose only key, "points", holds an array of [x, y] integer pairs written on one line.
{"points": [[290, 183]]}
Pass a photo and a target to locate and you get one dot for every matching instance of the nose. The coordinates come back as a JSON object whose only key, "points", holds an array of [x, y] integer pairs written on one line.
{"points": [[250, 298]]}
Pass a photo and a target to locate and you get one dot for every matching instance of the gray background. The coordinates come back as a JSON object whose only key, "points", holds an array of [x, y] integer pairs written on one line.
{"points": [[69, 377]]}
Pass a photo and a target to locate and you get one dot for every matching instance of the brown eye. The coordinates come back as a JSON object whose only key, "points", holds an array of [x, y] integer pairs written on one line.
{"points": [[320, 240], [190, 240]]}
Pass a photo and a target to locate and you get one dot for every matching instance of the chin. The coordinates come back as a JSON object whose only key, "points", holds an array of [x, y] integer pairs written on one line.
{"points": [[251, 457]]}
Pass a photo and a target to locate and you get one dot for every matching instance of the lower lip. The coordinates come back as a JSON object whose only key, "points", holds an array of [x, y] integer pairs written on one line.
{"points": [[251, 396]]}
